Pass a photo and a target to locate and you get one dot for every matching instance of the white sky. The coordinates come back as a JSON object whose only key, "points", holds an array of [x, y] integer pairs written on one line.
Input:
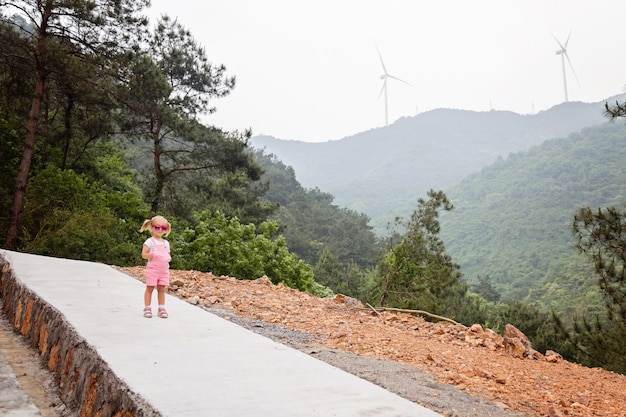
{"points": [[308, 70]]}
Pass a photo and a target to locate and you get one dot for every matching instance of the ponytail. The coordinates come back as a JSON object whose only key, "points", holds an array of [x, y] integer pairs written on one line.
{"points": [[147, 225]]}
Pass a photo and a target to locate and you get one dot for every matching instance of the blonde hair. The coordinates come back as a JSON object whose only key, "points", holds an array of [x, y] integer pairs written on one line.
{"points": [[147, 224]]}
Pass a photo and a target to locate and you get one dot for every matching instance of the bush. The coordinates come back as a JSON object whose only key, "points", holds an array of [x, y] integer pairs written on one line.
{"points": [[227, 247]]}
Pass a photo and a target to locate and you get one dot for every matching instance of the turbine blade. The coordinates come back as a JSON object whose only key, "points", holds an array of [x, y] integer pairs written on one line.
{"points": [[567, 40], [398, 79], [572, 68], [381, 59], [382, 89], [560, 46]]}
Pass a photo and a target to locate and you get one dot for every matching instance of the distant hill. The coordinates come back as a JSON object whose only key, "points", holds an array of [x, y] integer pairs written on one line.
{"points": [[512, 220], [382, 172]]}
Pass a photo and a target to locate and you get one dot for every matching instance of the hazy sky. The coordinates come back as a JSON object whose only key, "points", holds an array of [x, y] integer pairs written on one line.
{"points": [[309, 70]]}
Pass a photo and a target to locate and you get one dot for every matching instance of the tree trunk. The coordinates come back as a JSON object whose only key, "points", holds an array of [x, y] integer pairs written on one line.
{"points": [[383, 297], [31, 129], [158, 174], [22, 173]]}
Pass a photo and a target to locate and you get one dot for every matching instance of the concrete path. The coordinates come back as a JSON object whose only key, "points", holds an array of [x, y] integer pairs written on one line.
{"points": [[195, 363], [14, 402]]}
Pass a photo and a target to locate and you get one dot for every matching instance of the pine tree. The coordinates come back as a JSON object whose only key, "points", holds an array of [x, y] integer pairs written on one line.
{"points": [[601, 235], [416, 272], [93, 32]]}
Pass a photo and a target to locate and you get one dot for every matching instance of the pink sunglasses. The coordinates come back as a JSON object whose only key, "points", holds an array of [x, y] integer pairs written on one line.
{"points": [[164, 228]]}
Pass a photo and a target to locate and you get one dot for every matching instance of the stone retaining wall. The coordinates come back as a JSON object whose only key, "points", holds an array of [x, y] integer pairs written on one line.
{"points": [[86, 383]]}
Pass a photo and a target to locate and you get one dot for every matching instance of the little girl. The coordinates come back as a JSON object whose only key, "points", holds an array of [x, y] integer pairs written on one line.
{"points": [[157, 251]]}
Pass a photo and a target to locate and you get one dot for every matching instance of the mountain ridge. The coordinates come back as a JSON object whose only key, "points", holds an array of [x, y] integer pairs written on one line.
{"points": [[382, 172]]}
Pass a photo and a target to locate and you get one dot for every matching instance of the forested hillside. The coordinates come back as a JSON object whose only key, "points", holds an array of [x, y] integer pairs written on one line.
{"points": [[311, 222], [513, 220], [382, 172]]}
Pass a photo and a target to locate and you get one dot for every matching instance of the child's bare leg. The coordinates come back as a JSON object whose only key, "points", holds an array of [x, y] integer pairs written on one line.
{"points": [[147, 296], [161, 294]]}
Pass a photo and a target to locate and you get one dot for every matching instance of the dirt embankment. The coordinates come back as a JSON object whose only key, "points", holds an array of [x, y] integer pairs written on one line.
{"points": [[505, 373]]}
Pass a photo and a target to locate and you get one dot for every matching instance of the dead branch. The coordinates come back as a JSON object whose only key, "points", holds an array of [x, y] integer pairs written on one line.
{"points": [[422, 312], [370, 306]]}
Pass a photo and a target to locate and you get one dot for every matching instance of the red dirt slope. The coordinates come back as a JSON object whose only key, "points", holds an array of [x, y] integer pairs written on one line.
{"points": [[476, 361]]}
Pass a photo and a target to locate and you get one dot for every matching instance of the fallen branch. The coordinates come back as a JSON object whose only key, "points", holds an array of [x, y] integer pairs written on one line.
{"points": [[422, 312], [370, 306]]}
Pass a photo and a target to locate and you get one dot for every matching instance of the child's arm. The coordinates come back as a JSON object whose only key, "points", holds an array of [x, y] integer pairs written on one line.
{"points": [[145, 252]]}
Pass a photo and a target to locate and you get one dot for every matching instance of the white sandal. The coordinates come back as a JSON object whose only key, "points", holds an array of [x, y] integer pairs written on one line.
{"points": [[147, 312], [162, 313]]}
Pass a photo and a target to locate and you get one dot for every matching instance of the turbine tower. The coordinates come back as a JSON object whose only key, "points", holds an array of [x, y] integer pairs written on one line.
{"points": [[563, 52], [384, 77]]}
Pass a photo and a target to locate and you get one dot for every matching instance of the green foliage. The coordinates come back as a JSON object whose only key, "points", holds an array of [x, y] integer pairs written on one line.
{"points": [[321, 291], [601, 236], [67, 216], [222, 176], [510, 229], [170, 84], [226, 247], [512, 220], [616, 110], [475, 309], [485, 289], [328, 270], [81, 201], [311, 222], [339, 242], [595, 342], [571, 291], [533, 323], [416, 272], [513, 223], [73, 43], [347, 279], [206, 169], [9, 161]]}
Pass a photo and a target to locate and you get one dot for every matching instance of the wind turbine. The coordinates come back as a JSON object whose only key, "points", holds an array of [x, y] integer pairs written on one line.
{"points": [[563, 52], [384, 77]]}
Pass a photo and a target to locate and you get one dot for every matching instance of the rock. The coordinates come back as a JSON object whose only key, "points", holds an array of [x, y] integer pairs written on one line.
{"points": [[517, 344], [214, 299], [514, 347], [552, 356], [344, 299], [492, 340], [489, 344], [476, 328], [501, 405], [194, 300], [552, 412], [264, 280], [456, 378]]}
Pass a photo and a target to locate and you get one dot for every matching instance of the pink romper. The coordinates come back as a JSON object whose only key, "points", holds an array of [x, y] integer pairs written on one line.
{"points": [[158, 268]]}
